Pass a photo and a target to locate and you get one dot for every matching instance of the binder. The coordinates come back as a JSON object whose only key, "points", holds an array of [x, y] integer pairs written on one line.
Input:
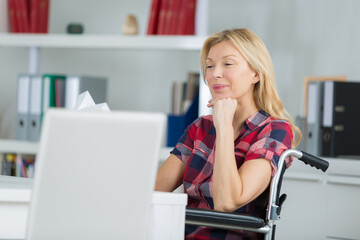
{"points": [[23, 92], [49, 91], [34, 126], [60, 92], [341, 117], [314, 117], [75, 85], [176, 124]]}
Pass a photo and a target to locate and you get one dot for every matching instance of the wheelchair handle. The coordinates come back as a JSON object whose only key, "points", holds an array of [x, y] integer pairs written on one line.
{"points": [[314, 161]]}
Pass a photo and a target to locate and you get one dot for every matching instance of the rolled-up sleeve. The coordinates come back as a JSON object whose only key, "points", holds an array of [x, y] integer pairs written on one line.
{"points": [[271, 142], [185, 145]]}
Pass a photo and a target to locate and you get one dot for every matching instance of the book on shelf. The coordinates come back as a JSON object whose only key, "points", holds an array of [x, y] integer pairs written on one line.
{"points": [[183, 93], [8, 164], [22, 15], [153, 17], [17, 165], [172, 17], [28, 16], [39, 16], [25, 166], [177, 98], [13, 23], [37, 93], [191, 90], [185, 107], [4, 17], [186, 22], [60, 89], [163, 12]]}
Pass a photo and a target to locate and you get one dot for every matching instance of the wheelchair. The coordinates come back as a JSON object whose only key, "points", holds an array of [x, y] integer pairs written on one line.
{"points": [[266, 226]]}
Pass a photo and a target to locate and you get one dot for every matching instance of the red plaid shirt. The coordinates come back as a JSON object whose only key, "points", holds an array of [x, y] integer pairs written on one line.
{"points": [[261, 137]]}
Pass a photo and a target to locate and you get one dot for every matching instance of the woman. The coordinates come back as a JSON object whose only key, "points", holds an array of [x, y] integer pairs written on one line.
{"points": [[226, 161]]}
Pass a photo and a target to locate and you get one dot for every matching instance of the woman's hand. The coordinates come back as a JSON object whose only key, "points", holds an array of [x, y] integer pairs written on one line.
{"points": [[223, 111]]}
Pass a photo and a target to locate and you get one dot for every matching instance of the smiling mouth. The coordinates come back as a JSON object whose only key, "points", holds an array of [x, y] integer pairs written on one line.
{"points": [[218, 87]]}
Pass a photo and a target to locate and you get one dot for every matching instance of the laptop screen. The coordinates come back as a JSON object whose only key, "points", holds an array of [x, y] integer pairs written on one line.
{"points": [[94, 175]]}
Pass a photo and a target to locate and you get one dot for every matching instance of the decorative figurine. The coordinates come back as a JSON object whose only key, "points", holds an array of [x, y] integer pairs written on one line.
{"points": [[130, 26]]}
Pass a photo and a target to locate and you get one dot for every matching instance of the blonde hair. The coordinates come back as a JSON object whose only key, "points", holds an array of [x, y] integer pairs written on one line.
{"points": [[256, 54]]}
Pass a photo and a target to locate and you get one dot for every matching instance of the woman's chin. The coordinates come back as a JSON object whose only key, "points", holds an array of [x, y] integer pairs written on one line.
{"points": [[220, 95]]}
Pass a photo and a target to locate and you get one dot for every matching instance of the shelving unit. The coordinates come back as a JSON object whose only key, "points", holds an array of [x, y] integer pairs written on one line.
{"points": [[102, 41], [35, 42], [18, 150], [164, 43]]}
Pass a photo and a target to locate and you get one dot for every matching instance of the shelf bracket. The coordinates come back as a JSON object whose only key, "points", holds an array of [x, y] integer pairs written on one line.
{"points": [[34, 57]]}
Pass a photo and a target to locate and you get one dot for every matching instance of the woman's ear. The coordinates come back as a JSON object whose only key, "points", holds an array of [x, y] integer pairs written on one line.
{"points": [[255, 78]]}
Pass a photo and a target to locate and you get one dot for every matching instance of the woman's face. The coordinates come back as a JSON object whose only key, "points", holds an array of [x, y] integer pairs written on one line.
{"points": [[228, 73]]}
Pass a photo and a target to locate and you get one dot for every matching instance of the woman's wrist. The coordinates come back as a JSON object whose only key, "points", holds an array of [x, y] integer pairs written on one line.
{"points": [[223, 131]]}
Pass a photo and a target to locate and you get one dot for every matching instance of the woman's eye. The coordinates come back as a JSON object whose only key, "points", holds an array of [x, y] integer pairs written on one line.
{"points": [[228, 64], [209, 66]]}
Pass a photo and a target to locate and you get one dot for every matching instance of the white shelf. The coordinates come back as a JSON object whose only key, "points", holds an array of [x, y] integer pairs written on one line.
{"points": [[102, 41], [24, 147], [14, 146]]}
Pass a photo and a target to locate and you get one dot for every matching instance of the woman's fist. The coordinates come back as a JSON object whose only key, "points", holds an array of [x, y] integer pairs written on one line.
{"points": [[223, 111]]}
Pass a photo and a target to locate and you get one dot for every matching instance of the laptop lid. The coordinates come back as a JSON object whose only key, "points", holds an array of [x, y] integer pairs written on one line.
{"points": [[94, 175]]}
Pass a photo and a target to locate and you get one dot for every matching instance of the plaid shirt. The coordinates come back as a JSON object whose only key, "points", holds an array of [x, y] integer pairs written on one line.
{"points": [[261, 137]]}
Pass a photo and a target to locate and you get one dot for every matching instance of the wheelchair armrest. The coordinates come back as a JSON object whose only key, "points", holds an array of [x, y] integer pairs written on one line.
{"points": [[216, 217]]}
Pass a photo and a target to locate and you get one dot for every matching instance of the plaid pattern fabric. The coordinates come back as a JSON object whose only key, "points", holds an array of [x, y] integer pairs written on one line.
{"points": [[261, 137]]}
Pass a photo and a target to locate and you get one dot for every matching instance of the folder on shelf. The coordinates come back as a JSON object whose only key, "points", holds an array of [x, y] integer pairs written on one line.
{"points": [[49, 90], [178, 123], [60, 84], [22, 121], [341, 117], [314, 117], [75, 85], [34, 126]]}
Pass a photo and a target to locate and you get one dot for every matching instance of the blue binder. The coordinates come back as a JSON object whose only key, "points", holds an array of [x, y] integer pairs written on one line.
{"points": [[178, 123]]}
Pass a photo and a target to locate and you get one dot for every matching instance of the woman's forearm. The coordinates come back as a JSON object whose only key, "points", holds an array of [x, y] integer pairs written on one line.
{"points": [[170, 174], [227, 184]]}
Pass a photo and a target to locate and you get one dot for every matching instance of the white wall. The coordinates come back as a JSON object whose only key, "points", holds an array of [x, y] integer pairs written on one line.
{"points": [[304, 37]]}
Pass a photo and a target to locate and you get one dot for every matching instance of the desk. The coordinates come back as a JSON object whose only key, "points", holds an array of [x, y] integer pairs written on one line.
{"points": [[167, 211]]}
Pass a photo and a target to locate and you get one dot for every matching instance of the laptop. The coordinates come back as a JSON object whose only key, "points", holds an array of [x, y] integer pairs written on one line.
{"points": [[94, 175]]}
